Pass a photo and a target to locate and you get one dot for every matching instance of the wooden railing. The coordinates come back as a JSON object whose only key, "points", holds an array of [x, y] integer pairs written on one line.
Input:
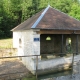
{"points": [[36, 60]]}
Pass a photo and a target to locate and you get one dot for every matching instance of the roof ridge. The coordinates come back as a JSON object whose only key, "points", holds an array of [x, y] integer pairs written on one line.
{"points": [[40, 17]]}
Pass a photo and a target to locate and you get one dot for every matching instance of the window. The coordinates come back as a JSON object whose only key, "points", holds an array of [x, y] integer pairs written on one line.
{"points": [[68, 41], [20, 43], [48, 38], [68, 44]]}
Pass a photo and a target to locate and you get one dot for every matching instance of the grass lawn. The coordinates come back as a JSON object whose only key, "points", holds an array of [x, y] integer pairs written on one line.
{"points": [[6, 43]]}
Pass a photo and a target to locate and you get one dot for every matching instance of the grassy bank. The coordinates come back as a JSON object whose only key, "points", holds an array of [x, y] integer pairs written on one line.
{"points": [[6, 43], [29, 78]]}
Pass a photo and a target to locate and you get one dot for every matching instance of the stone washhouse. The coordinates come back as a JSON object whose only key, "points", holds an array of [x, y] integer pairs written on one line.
{"points": [[47, 32]]}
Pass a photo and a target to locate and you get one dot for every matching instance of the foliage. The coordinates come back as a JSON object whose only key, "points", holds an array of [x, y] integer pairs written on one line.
{"points": [[13, 12], [75, 11]]}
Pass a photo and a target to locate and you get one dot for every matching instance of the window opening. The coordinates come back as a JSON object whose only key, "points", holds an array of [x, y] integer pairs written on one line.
{"points": [[68, 44], [48, 38], [20, 43]]}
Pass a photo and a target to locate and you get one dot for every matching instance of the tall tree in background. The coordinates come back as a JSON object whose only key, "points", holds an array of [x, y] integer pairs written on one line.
{"points": [[1, 17], [35, 5], [64, 6], [16, 10], [76, 1], [5, 18], [75, 11], [13, 12]]}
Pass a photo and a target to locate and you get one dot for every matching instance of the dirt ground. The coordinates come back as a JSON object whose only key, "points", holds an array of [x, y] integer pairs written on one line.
{"points": [[12, 69]]}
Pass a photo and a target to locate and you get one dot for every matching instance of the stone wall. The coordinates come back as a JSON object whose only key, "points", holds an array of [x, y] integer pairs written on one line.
{"points": [[31, 47], [24, 41]]}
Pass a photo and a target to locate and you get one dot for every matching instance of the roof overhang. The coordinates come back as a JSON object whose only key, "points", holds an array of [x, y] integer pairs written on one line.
{"points": [[58, 32]]}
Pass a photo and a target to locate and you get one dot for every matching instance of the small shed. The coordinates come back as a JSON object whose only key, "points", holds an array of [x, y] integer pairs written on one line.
{"points": [[47, 32]]}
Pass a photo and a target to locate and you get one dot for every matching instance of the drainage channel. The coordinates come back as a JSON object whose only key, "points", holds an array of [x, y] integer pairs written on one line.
{"points": [[55, 75]]}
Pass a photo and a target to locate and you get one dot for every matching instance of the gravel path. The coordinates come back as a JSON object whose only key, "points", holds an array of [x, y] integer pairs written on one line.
{"points": [[12, 69]]}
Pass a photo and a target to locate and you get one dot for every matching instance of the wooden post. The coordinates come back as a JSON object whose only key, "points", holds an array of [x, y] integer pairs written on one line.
{"points": [[36, 67], [77, 44], [62, 45]]}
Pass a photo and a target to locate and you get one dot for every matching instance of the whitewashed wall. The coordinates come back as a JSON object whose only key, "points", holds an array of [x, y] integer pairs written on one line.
{"points": [[16, 36], [29, 47], [15, 39]]}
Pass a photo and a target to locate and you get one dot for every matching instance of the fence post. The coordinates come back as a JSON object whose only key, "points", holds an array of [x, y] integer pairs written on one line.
{"points": [[36, 67]]}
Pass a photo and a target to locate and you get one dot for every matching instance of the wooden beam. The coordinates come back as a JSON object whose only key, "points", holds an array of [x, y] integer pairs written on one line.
{"points": [[58, 32], [77, 44], [62, 45]]}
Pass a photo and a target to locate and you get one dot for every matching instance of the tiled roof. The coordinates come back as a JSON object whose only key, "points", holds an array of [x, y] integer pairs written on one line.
{"points": [[28, 23], [50, 18]]}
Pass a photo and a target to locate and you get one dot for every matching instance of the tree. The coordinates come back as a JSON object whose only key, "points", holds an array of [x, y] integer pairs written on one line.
{"points": [[35, 4], [13, 12], [75, 11]]}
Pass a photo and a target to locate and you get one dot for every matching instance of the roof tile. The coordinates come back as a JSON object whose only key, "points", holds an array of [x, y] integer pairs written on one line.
{"points": [[52, 19]]}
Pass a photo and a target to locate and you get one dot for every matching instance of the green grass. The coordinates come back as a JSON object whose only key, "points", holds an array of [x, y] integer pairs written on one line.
{"points": [[32, 78], [6, 43]]}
